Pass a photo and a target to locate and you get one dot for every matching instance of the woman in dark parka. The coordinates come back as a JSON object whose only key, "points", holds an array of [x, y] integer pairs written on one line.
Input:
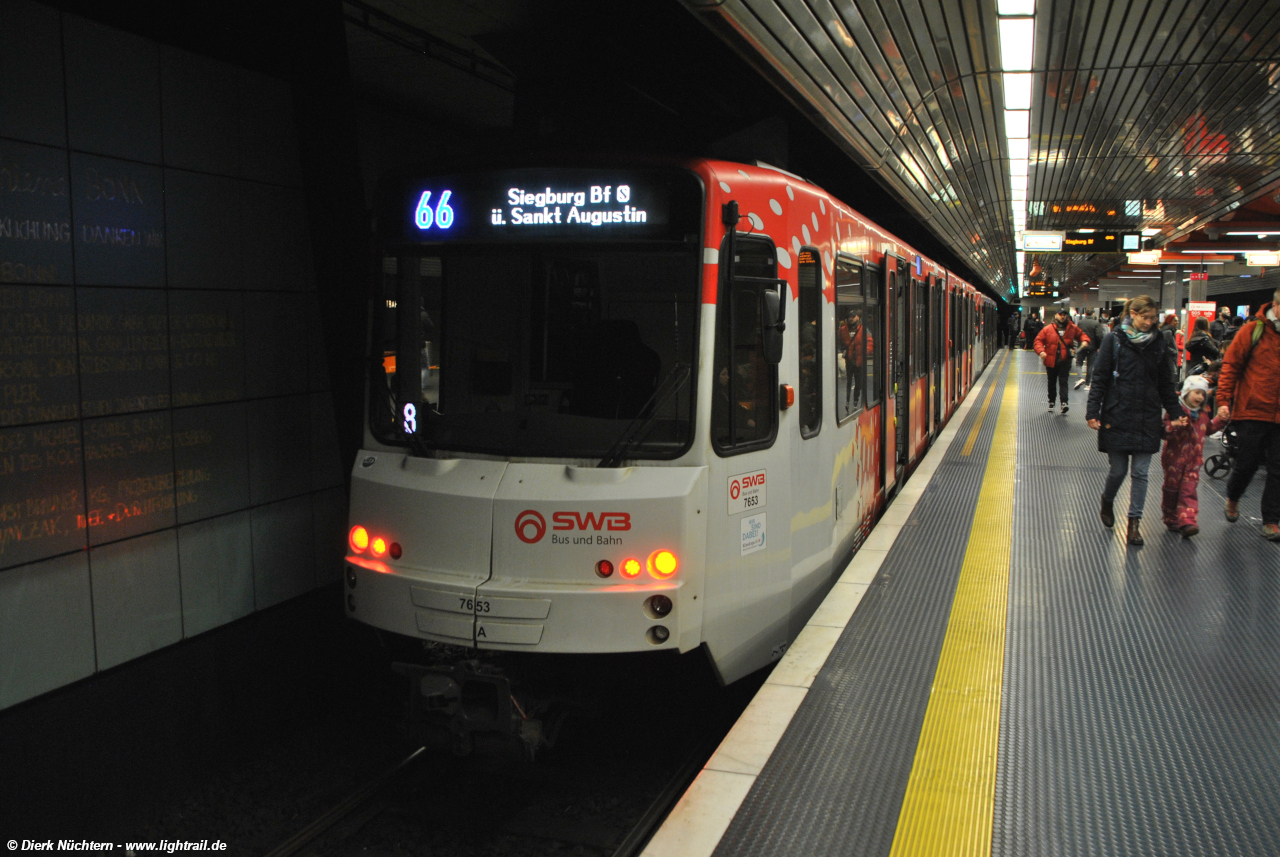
{"points": [[1132, 378]]}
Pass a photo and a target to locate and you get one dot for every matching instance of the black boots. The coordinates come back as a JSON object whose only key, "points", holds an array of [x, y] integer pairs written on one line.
{"points": [[1107, 514], [1134, 537]]}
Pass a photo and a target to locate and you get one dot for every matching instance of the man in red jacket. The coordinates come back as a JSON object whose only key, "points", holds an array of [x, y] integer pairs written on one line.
{"points": [[1055, 344], [1249, 393]]}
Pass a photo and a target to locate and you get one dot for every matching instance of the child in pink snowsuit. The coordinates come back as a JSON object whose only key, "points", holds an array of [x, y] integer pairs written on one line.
{"points": [[1183, 455]]}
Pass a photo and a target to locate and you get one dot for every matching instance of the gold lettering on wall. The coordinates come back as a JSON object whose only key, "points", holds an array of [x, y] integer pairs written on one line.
{"points": [[42, 462], [37, 355]]}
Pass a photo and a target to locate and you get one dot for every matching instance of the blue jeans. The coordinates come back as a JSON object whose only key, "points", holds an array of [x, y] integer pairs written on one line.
{"points": [[1137, 463]]}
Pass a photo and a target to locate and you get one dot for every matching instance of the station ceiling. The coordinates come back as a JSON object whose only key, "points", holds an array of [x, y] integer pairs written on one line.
{"points": [[1145, 114]]}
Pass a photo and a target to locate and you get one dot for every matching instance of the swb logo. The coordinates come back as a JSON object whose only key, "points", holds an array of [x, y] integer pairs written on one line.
{"points": [[529, 519], [531, 526]]}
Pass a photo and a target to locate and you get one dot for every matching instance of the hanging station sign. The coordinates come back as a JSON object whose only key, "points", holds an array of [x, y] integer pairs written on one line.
{"points": [[1043, 242]]}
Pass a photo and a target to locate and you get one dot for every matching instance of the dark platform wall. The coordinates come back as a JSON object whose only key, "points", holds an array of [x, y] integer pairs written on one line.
{"points": [[169, 457]]}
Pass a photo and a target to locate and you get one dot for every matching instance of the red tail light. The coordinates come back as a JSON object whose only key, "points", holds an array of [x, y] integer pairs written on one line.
{"points": [[630, 568], [379, 546], [359, 539]]}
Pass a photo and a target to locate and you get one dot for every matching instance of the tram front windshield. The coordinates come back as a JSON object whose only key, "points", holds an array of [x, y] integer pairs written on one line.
{"points": [[544, 351]]}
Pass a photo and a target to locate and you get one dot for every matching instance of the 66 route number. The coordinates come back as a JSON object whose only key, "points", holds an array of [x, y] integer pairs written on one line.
{"points": [[473, 605]]}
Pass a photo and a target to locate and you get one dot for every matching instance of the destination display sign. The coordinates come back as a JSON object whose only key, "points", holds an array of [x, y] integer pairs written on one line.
{"points": [[1040, 289], [553, 204], [1099, 242]]}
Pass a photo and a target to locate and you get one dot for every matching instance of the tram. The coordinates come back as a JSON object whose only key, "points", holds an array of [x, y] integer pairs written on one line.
{"points": [[630, 408]]}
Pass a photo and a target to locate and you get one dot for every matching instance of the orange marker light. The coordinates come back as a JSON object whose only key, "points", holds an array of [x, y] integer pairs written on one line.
{"points": [[630, 568], [379, 546], [359, 539], [662, 564]]}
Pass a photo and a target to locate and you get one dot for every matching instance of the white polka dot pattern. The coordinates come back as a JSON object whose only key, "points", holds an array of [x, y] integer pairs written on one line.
{"points": [[756, 222], [784, 258], [795, 244], [724, 187], [791, 194], [744, 174], [815, 222], [776, 206], [822, 204], [804, 230]]}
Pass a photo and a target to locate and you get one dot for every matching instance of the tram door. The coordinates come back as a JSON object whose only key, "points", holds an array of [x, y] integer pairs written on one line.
{"points": [[936, 288], [900, 294]]}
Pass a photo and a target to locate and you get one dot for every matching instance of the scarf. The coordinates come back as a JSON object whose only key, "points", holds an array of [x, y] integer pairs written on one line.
{"points": [[1137, 338]]}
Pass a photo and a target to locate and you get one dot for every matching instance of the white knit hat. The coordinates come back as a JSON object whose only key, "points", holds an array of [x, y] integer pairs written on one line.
{"points": [[1195, 382]]}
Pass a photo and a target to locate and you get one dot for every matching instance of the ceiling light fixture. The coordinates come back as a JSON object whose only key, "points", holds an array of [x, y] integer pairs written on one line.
{"points": [[1017, 91], [1016, 43], [1017, 26], [1017, 124]]}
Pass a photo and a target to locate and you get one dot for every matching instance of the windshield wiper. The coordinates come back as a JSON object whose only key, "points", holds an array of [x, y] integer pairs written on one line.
{"points": [[635, 429]]}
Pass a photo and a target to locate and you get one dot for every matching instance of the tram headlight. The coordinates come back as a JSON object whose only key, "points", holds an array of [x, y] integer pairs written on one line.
{"points": [[359, 539], [662, 564]]}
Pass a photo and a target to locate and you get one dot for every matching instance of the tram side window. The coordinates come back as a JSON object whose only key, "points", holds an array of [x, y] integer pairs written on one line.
{"points": [[743, 407], [920, 336], [851, 338], [809, 277]]}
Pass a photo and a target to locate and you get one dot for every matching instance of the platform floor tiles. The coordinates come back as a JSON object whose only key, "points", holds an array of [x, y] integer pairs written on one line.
{"points": [[1031, 686]]}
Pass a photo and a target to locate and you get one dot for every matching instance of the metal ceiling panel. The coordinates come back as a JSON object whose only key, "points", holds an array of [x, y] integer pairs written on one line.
{"points": [[1165, 113]]}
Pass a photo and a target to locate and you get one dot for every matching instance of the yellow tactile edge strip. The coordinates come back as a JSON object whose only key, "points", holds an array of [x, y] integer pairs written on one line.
{"points": [[982, 414], [949, 804], [699, 820]]}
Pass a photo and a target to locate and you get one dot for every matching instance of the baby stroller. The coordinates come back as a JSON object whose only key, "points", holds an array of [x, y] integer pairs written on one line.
{"points": [[1220, 464]]}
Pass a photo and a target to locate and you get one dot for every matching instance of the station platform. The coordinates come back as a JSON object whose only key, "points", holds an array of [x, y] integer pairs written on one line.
{"points": [[998, 673]]}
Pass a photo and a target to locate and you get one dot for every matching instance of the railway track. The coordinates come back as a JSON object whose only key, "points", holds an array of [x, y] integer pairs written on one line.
{"points": [[435, 804]]}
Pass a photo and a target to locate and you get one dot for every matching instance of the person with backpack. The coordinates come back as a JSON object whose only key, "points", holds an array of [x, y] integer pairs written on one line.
{"points": [[1096, 331], [1249, 394], [1030, 330], [1232, 329], [1201, 349], [1133, 379], [1056, 344], [1183, 456], [1220, 324]]}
